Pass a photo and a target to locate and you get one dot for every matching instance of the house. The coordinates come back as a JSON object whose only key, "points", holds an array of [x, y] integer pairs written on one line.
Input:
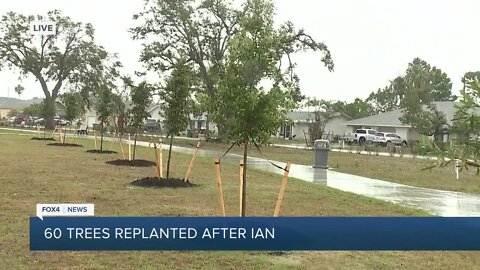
{"points": [[302, 119], [389, 122], [7, 104], [197, 125]]}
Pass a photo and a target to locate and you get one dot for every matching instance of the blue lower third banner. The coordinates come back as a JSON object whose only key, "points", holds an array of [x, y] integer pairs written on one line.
{"points": [[254, 233]]}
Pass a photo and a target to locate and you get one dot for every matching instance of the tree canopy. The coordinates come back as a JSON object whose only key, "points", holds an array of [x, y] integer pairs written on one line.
{"points": [[203, 33], [69, 58]]}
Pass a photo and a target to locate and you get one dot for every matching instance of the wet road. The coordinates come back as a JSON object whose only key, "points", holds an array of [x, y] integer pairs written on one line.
{"points": [[438, 202], [442, 203]]}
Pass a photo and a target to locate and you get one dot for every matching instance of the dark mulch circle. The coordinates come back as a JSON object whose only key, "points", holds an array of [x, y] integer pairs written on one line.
{"points": [[155, 182], [100, 151], [132, 163], [278, 253], [65, 144], [42, 139]]}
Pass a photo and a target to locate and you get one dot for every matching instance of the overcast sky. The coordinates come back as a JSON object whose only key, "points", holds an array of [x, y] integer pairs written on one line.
{"points": [[371, 41]]}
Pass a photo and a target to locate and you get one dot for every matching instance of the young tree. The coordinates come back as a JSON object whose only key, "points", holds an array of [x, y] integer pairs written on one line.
{"points": [[19, 90], [324, 111], [68, 58], [103, 107], [252, 111], [120, 113], [74, 105], [141, 98], [177, 103]]}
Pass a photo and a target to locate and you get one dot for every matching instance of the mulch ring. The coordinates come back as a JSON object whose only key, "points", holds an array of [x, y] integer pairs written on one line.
{"points": [[42, 139], [100, 151], [155, 182], [65, 144], [132, 163]]}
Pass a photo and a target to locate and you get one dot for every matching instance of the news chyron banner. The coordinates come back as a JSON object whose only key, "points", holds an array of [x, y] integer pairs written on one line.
{"points": [[73, 227]]}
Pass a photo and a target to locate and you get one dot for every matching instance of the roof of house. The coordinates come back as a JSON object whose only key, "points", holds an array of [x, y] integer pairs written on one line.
{"points": [[391, 119], [305, 116], [15, 103]]}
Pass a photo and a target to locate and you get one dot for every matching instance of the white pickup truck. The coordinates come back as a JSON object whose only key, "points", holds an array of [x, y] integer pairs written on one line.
{"points": [[365, 135], [361, 136]]}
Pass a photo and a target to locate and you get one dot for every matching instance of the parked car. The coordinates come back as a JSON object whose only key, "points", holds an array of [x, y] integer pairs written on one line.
{"points": [[365, 135], [152, 125], [385, 139], [61, 121], [39, 121]]}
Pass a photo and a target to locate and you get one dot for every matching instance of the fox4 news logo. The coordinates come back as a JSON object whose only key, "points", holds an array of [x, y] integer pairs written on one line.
{"points": [[43, 27]]}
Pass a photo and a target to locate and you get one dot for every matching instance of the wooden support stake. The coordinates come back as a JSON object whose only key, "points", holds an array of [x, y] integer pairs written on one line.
{"points": [[221, 202], [189, 171], [160, 158], [457, 168], [157, 160], [38, 130], [95, 138], [150, 141], [73, 135], [111, 142], [60, 137], [121, 146], [129, 148], [53, 132], [282, 191], [241, 187]]}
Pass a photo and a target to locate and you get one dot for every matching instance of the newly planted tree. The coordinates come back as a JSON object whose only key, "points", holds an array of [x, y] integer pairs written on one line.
{"points": [[324, 111], [103, 106], [70, 58], [251, 111], [141, 98], [176, 105], [74, 106]]}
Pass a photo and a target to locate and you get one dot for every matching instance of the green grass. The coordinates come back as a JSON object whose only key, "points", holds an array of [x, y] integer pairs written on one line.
{"points": [[33, 172]]}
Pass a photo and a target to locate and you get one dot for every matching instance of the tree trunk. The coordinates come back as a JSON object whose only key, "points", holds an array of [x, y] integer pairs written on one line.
{"points": [[169, 156], [101, 138], [49, 111], [244, 185], [207, 125], [135, 144]]}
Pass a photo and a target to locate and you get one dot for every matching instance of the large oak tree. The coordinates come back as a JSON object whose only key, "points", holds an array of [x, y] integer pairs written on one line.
{"points": [[69, 58], [201, 32]]}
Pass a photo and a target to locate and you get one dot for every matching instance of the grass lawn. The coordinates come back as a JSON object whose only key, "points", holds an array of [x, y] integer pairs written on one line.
{"points": [[32, 172], [406, 171]]}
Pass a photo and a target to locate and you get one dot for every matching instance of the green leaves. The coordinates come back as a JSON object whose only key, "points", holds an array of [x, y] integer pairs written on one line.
{"points": [[141, 98], [231, 50], [74, 105], [68, 59], [177, 102]]}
